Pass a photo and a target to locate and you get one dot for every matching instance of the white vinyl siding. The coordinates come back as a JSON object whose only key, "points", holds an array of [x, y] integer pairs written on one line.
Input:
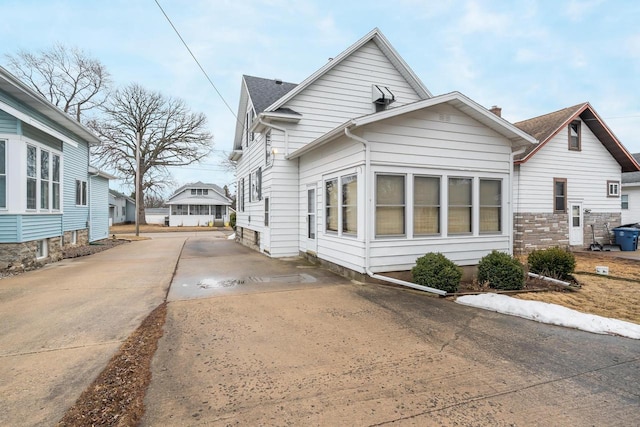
{"points": [[587, 172], [631, 215]]}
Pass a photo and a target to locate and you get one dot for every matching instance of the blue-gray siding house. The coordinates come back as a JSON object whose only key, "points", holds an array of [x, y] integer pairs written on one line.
{"points": [[49, 195]]}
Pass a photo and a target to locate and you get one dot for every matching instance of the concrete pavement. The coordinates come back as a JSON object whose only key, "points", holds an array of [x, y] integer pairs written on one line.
{"points": [[245, 344], [61, 324]]}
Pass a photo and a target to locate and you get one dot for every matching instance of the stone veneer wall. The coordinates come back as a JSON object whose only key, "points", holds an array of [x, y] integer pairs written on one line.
{"points": [[22, 256], [543, 230]]}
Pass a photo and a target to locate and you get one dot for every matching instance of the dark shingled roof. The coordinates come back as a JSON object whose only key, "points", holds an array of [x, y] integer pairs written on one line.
{"points": [[545, 127], [198, 184], [264, 92], [632, 177]]}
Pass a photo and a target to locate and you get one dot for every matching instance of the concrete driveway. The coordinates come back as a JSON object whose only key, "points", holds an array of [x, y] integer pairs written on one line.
{"points": [[61, 324], [246, 343]]}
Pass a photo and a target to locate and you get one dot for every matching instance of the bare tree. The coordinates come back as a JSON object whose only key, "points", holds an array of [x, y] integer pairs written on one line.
{"points": [[67, 77], [169, 135]]}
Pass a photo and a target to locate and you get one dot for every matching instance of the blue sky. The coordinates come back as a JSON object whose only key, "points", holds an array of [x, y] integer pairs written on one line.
{"points": [[528, 57]]}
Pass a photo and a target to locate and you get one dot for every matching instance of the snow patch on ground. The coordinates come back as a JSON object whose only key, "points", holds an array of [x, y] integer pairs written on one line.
{"points": [[232, 237], [551, 313]]}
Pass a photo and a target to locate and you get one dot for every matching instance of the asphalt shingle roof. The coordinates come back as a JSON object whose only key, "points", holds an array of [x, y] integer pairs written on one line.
{"points": [[632, 177], [198, 184], [264, 92]]}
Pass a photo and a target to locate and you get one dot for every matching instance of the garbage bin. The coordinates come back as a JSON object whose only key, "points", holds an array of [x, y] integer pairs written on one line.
{"points": [[627, 238]]}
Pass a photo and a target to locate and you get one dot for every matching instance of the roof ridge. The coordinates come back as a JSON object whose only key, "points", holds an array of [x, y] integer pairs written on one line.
{"points": [[576, 107]]}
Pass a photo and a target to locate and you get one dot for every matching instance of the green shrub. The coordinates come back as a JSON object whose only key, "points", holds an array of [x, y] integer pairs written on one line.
{"points": [[232, 220], [501, 271], [552, 262], [436, 271]]}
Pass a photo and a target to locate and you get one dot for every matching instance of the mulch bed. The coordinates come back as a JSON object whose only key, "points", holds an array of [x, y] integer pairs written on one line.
{"points": [[116, 396], [95, 247]]}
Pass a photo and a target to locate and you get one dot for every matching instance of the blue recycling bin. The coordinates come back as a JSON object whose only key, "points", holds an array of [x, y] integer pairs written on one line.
{"points": [[627, 238]]}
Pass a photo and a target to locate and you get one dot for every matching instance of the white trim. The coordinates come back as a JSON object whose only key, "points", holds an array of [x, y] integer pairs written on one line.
{"points": [[36, 124]]}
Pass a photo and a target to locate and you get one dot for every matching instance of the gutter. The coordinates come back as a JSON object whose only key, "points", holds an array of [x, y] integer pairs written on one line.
{"points": [[367, 233], [286, 134]]}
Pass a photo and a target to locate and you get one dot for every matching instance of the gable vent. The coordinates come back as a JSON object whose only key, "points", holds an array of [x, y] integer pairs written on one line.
{"points": [[381, 95]]}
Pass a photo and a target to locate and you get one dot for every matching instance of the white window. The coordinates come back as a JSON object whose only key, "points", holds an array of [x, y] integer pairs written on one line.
{"points": [[331, 205], [460, 205], [268, 155], [490, 206], [32, 176], [426, 205], [625, 201], [349, 203], [81, 193], [44, 179], [613, 188], [266, 211], [390, 205], [255, 184], [55, 181], [241, 195], [3, 174], [42, 249]]}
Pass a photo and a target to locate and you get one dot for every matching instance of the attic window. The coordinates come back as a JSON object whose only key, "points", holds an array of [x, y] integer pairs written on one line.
{"points": [[575, 143], [381, 97]]}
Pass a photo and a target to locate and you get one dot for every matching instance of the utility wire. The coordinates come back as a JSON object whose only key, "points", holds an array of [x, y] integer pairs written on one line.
{"points": [[196, 59]]}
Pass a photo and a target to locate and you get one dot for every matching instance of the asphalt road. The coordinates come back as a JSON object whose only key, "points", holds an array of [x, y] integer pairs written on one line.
{"points": [[255, 341]]}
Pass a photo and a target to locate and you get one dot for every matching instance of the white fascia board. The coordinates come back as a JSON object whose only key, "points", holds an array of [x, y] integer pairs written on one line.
{"points": [[95, 171], [36, 124]]}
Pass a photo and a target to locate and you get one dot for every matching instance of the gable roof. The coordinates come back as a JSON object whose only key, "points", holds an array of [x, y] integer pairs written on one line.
{"points": [[547, 126], [264, 92], [199, 184], [381, 41], [632, 177], [120, 195], [24, 94], [457, 100]]}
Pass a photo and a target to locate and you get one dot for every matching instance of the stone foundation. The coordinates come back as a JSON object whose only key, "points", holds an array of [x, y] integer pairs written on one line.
{"points": [[82, 237], [249, 238], [533, 231]]}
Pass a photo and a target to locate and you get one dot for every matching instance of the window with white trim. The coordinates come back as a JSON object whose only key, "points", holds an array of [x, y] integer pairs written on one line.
{"points": [[268, 154], [266, 211], [3, 174], [44, 179], [460, 212], [42, 249], [490, 205], [426, 205], [613, 188], [349, 203], [55, 182], [81, 193], [32, 177], [624, 199], [331, 205], [390, 205]]}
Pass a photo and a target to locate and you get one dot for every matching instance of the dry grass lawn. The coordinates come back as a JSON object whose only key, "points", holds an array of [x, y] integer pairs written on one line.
{"points": [[616, 295]]}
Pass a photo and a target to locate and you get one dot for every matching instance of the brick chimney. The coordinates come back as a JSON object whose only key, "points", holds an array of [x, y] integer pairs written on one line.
{"points": [[496, 110]]}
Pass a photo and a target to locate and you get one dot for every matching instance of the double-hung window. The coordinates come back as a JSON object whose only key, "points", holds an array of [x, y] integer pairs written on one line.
{"points": [[266, 211], [426, 205], [390, 205], [613, 188], [55, 182], [268, 155], [624, 199], [3, 174], [44, 179], [331, 205], [575, 143], [490, 206], [349, 204], [32, 177], [81, 192], [559, 195], [460, 205]]}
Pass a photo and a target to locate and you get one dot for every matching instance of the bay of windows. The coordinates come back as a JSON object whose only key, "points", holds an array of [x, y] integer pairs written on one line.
{"points": [[43, 179]]}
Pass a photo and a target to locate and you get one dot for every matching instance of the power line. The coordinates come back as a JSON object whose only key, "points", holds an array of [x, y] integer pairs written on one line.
{"points": [[197, 62]]}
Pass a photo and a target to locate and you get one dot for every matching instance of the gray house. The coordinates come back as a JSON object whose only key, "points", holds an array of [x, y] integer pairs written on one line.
{"points": [[122, 209]]}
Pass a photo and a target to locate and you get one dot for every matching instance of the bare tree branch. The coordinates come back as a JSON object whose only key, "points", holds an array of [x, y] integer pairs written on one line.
{"points": [[171, 134], [67, 77]]}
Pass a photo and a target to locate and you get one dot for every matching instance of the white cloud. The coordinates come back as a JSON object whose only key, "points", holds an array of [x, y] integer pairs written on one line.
{"points": [[577, 10], [476, 19]]}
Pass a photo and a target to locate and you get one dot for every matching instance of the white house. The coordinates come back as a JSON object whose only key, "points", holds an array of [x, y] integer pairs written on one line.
{"points": [[122, 209], [630, 196], [361, 167], [199, 204], [570, 181]]}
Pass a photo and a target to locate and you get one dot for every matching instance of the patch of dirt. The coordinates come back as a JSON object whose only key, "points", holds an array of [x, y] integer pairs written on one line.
{"points": [[95, 247], [116, 397]]}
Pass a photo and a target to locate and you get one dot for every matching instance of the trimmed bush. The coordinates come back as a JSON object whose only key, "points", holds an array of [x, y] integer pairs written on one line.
{"points": [[552, 262], [501, 271], [436, 271], [232, 220]]}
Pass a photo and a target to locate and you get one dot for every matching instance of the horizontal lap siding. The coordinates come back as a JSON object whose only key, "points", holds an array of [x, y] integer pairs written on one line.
{"points": [[99, 208], [587, 172], [344, 92], [8, 123], [9, 225], [36, 227], [341, 157], [75, 166], [632, 214]]}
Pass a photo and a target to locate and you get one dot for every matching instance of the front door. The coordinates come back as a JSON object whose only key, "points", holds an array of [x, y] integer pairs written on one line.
{"points": [[576, 237], [311, 220]]}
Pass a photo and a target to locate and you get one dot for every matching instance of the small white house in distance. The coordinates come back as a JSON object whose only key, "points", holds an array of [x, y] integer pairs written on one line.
{"points": [[122, 209], [199, 204], [630, 197]]}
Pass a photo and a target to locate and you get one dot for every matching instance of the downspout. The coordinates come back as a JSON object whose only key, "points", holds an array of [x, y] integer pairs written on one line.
{"points": [[281, 129], [367, 233], [511, 174]]}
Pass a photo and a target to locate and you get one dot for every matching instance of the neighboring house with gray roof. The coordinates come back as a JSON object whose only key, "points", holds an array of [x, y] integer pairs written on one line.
{"points": [[199, 204], [569, 181], [631, 195], [122, 209]]}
